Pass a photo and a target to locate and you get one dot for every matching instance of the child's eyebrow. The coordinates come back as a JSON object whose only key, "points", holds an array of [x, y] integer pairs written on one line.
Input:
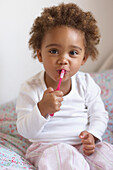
{"points": [[77, 47]]}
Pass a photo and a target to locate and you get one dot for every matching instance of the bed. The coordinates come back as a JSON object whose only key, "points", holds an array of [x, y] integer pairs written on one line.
{"points": [[13, 146]]}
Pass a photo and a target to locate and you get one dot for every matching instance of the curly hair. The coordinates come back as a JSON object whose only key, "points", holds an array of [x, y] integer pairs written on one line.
{"points": [[67, 15]]}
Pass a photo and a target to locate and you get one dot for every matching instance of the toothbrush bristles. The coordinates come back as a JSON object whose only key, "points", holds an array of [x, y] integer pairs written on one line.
{"points": [[62, 73]]}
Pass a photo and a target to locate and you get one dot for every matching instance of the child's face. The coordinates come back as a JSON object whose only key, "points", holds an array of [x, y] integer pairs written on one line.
{"points": [[62, 48]]}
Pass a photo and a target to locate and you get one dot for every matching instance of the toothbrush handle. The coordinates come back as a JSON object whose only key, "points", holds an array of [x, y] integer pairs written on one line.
{"points": [[58, 87], [52, 114]]}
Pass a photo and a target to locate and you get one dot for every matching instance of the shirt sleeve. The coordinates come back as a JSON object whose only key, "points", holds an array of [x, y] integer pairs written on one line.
{"points": [[30, 122], [97, 115]]}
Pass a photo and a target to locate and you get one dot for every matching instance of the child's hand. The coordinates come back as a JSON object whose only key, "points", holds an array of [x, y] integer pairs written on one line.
{"points": [[88, 142], [51, 101]]}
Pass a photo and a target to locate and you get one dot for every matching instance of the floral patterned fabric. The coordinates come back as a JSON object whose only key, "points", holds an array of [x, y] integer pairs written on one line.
{"points": [[13, 146], [105, 81], [11, 160]]}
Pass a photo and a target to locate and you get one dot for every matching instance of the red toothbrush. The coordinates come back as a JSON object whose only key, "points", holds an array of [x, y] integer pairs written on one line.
{"points": [[58, 87]]}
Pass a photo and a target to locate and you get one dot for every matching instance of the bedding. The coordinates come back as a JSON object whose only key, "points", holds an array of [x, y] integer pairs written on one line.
{"points": [[13, 146]]}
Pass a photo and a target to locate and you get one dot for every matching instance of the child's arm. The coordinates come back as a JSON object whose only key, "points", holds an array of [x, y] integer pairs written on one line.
{"points": [[33, 106], [51, 102], [97, 115]]}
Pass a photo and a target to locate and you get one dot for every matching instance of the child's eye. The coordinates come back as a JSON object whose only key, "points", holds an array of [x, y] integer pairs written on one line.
{"points": [[73, 52], [53, 51]]}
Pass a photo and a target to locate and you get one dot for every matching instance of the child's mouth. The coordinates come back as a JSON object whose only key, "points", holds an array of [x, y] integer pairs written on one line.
{"points": [[59, 71]]}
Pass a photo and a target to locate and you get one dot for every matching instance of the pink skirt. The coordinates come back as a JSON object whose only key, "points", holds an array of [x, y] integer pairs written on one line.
{"points": [[62, 156]]}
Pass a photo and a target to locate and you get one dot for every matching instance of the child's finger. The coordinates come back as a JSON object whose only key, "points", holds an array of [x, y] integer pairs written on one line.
{"points": [[87, 141], [49, 90], [58, 93], [84, 135], [89, 152], [59, 99], [88, 147]]}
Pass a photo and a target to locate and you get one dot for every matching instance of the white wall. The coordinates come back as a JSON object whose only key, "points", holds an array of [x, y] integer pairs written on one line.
{"points": [[16, 19]]}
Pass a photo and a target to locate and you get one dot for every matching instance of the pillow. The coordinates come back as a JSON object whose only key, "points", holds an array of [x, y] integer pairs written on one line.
{"points": [[105, 81]]}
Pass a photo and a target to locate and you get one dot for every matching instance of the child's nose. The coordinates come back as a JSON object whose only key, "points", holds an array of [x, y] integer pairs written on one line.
{"points": [[63, 60]]}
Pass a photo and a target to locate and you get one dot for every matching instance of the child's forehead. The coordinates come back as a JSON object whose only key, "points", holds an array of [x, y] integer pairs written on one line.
{"points": [[63, 29], [63, 34]]}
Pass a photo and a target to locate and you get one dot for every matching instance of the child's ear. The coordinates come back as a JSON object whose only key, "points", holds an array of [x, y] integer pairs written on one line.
{"points": [[39, 55], [84, 59]]}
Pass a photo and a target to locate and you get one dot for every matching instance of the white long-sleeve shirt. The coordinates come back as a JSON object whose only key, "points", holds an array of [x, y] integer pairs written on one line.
{"points": [[82, 109]]}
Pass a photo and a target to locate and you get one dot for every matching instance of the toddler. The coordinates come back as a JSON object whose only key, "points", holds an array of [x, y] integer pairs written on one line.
{"points": [[63, 38]]}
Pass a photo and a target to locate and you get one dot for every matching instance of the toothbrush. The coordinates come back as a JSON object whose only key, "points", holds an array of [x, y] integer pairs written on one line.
{"points": [[58, 87], [61, 77]]}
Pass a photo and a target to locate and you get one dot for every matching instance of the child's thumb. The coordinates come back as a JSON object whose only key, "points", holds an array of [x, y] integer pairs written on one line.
{"points": [[83, 135], [49, 90]]}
